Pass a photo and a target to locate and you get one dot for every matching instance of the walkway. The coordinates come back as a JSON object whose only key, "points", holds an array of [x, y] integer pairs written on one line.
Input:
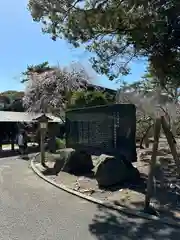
{"points": [[31, 209]]}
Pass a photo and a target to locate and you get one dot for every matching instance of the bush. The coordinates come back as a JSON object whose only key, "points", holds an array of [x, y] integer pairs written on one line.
{"points": [[60, 143], [90, 98]]}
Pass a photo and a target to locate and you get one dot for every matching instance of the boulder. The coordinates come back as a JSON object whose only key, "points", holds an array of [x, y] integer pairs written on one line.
{"points": [[79, 163], [61, 163], [74, 162], [111, 171]]}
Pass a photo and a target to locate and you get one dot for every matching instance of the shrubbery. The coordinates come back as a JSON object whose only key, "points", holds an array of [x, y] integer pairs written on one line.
{"points": [[60, 143]]}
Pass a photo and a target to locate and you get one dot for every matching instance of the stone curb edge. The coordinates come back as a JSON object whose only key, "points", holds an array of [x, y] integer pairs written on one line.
{"points": [[109, 205]]}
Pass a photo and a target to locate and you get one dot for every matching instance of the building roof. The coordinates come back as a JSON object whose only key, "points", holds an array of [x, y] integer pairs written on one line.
{"points": [[6, 116]]}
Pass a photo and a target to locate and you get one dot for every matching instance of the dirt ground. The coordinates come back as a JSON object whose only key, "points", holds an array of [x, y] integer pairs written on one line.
{"points": [[166, 196]]}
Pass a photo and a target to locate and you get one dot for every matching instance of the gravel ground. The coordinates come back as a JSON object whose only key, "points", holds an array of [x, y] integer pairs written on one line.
{"points": [[166, 200]]}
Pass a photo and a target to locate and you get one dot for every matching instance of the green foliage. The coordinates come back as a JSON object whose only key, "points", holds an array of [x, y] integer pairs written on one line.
{"points": [[4, 100], [60, 143], [39, 68], [170, 87], [90, 98], [13, 95], [117, 31], [150, 83], [16, 106], [12, 101]]}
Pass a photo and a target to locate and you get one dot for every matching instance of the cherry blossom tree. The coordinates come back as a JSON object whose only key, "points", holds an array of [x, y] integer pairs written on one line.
{"points": [[157, 109], [50, 91]]}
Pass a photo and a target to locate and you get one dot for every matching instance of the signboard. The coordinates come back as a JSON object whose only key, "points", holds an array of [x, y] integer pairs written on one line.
{"points": [[108, 129]]}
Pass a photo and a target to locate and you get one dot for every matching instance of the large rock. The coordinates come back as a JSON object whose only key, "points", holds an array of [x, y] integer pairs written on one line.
{"points": [[74, 162], [61, 163], [79, 163], [111, 171]]}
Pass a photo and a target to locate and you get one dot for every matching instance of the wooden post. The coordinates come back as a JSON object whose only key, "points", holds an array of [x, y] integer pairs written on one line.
{"points": [[157, 128], [171, 142], [42, 146], [43, 123]]}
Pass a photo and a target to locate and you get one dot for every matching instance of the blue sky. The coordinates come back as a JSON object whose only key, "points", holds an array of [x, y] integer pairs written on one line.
{"points": [[22, 43]]}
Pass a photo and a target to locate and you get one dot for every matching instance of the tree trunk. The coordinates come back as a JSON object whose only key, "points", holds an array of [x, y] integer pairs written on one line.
{"points": [[145, 137], [174, 128], [157, 128], [171, 142]]}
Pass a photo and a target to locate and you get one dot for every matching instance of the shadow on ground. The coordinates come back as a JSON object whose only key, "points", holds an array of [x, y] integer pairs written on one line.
{"points": [[111, 225], [165, 200]]}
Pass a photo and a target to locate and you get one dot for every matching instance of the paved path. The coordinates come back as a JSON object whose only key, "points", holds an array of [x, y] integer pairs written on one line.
{"points": [[31, 209]]}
